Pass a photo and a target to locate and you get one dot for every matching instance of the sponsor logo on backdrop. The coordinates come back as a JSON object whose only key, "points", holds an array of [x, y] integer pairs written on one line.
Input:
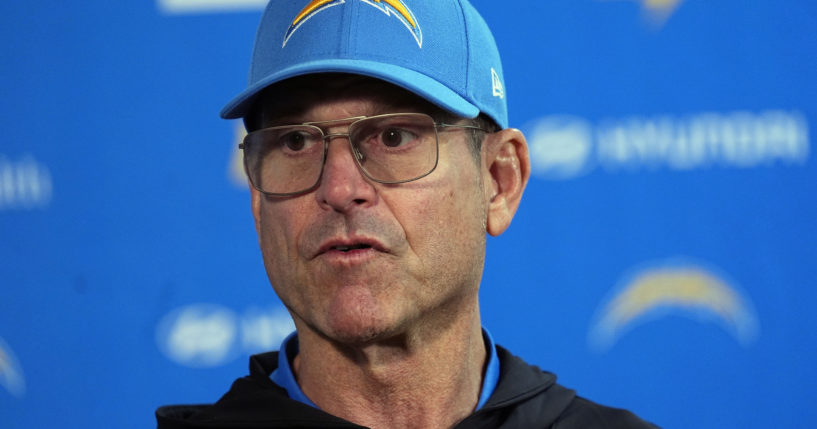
{"points": [[566, 147], [25, 183], [674, 287], [206, 6], [11, 373], [656, 12], [561, 147], [206, 335]]}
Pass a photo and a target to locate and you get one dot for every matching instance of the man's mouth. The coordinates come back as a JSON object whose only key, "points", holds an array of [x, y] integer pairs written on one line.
{"points": [[349, 248]]}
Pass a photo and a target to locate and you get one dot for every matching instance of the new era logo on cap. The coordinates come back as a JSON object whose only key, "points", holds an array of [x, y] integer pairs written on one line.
{"points": [[496, 84], [394, 8]]}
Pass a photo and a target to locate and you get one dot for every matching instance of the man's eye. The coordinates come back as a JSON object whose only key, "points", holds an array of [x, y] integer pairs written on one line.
{"points": [[294, 141], [395, 137]]}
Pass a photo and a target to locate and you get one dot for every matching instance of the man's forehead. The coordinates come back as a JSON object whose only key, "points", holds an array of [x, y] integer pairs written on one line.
{"points": [[297, 96]]}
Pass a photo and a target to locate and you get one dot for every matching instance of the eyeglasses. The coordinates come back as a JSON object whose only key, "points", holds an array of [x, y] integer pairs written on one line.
{"points": [[393, 148]]}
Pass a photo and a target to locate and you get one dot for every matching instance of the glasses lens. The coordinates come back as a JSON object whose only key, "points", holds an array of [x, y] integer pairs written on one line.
{"points": [[284, 160], [395, 148]]}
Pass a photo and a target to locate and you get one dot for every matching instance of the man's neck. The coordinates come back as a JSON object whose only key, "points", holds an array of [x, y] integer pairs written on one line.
{"points": [[416, 380]]}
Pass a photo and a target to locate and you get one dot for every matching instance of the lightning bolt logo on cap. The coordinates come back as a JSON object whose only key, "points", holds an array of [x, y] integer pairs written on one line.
{"points": [[394, 8]]}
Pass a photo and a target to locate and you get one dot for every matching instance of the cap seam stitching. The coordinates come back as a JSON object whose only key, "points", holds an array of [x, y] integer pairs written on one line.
{"points": [[467, 40]]}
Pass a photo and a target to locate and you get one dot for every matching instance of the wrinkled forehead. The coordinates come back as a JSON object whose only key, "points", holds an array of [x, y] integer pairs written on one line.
{"points": [[295, 97]]}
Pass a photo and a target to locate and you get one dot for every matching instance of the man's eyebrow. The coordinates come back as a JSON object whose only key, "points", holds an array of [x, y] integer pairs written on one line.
{"points": [[274, 121], [276, 116], [273, 118], [406, 106]]}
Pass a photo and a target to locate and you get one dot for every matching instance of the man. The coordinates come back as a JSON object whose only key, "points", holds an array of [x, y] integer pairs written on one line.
{"points": [[379, 155]]}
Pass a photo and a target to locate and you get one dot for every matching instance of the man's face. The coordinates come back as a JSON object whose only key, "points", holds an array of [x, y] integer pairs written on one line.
{"points": [[357, 260]]}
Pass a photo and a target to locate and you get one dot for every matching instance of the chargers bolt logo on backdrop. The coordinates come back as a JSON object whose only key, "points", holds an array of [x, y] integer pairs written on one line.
{"points": [[657, 12], [394, 8], [11, 374], [678, 287]]}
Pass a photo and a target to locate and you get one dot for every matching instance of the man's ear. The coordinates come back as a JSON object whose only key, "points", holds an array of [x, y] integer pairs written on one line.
{"points": [[255, 204], [507, 169]]}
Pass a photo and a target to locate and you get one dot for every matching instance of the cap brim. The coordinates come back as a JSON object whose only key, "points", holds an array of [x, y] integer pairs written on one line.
{"points": [[411, 80]]}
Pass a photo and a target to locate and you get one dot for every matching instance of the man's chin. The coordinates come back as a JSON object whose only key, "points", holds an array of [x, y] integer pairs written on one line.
{"points": [[358, 316], [360, 331]]}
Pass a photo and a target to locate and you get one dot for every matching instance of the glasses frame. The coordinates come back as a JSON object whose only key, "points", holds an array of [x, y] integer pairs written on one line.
{"points": [[326, 137]]}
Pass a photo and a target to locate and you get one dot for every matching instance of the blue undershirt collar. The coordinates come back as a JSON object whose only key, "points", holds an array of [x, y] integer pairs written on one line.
{"points": [[284, 377]]}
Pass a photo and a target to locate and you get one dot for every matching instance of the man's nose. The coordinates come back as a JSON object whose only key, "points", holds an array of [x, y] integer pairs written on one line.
{"points": [[343, 185]]}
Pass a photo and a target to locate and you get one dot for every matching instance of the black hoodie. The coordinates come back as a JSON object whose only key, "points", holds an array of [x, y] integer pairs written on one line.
{"points": [[525, 397]]}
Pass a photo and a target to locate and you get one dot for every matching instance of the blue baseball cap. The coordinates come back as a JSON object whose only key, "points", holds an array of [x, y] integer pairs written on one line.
{"points": [[441, 50]]}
